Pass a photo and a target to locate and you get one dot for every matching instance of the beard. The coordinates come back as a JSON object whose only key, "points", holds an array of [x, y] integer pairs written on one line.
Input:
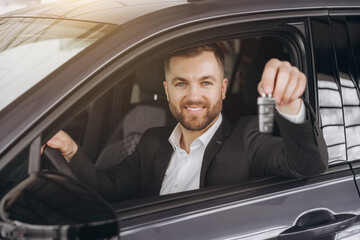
{"points": [[195, 122]]}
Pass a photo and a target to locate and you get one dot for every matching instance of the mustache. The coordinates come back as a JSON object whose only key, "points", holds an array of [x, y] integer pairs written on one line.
{"points": [[191, 103]]}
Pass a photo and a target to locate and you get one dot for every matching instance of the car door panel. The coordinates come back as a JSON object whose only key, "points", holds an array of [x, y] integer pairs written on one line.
{"points": [[257, 214]]}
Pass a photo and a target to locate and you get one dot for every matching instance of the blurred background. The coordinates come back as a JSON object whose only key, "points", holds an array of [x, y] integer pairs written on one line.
{"points": [[11, 5]]}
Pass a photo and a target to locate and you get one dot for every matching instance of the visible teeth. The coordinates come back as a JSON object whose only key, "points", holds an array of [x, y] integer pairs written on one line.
{"points": [[193, 109]]}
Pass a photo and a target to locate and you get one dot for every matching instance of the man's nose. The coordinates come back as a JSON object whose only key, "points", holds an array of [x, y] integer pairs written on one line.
{"points": [[193, 93]]}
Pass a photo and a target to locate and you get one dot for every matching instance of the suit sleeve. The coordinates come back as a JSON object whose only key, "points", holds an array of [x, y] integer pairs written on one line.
{"points": [[299, 151], [116, 183]]}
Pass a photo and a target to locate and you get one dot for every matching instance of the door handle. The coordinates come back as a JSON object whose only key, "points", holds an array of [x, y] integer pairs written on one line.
{"points": [[318, 224]]}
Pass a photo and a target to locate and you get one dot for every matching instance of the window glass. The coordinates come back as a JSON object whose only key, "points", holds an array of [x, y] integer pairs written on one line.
{"points": [[349, 91], [338, 94], [353, 24], [329, 95], [30, 49]]}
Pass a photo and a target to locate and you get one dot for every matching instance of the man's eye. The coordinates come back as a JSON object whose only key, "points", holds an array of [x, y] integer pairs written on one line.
{"points": [[180, 84], [206, 83]]}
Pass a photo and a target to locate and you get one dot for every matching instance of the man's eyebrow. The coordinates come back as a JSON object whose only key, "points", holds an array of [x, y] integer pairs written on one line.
{"points": [[208, 77], [178, 79]]}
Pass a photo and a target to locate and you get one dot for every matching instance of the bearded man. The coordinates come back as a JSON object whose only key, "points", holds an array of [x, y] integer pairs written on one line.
{"points": [[204, 149]]}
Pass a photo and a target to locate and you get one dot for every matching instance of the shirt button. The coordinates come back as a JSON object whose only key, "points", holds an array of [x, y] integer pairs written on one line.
{"points": [[176, 185]]}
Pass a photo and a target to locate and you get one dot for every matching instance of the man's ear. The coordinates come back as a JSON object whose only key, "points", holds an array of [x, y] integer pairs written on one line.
{"points": [[223, 88], [166, 90]]}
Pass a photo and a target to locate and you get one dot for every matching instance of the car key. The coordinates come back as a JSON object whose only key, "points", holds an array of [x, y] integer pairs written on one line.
{"points": [[266, 107]]}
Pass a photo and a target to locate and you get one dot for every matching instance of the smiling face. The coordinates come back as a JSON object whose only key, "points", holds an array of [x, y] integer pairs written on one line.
{"points": [[195, 89]]}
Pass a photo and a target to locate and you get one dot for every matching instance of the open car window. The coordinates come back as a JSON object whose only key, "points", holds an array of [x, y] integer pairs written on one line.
{"points": [[113, 123]]}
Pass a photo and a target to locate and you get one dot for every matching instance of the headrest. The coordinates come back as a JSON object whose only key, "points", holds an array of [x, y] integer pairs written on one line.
{"points": [[270, 47], [151, 77]]}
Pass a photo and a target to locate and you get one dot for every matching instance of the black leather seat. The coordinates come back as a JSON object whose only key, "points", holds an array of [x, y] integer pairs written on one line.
{"points": [[246, 100], [270, 47], [142, 116]]}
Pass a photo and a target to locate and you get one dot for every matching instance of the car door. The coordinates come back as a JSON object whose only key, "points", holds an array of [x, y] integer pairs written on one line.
{"points": [[325, 206]]}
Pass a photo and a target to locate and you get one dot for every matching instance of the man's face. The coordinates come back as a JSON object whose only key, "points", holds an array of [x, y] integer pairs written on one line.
{"points": [[195, 89]]}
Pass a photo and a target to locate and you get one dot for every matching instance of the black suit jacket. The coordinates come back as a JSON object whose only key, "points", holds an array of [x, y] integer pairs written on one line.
{"points": [[234, 154]]}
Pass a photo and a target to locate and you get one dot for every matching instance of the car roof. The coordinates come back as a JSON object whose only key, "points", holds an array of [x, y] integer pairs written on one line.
{"points": [[122, 11]]}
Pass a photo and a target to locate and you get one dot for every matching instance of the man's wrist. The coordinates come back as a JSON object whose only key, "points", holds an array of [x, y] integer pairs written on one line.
{"points": [[292, 108], [298, 118], [68, 157]]}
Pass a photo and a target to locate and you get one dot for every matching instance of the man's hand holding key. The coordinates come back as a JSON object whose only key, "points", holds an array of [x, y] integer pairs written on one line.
{"points": [[285, 83]]}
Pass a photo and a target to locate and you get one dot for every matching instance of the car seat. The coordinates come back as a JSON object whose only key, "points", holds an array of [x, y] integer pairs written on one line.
{"points": [[142, 116], [269, 47], [246, 99]]}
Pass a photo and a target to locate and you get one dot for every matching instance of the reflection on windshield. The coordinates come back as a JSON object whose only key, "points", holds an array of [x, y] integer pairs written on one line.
{"points": [[30, 49]]}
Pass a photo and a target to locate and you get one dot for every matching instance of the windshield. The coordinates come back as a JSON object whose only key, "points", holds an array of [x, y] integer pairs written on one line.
{"points": [[31, 48]]}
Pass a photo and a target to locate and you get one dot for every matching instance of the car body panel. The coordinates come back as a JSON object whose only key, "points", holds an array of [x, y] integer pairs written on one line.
{"points": [[252, 216]]}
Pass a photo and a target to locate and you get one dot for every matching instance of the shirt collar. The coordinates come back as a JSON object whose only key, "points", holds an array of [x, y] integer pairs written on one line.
{"points": [[205, 138]]}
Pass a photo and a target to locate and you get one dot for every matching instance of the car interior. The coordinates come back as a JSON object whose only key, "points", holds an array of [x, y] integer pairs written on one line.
{"points": [[139, 102], [111, 124]]}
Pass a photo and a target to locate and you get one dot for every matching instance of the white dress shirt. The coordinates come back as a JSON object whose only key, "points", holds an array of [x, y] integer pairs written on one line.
{"points": [[183, 172], [298, 118]]}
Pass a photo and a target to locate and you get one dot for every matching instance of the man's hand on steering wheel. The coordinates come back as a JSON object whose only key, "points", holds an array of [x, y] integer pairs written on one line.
{"points": [[64, 143]]}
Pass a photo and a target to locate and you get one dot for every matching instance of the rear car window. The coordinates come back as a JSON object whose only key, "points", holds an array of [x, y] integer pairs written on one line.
{"points": [[338, 90]]}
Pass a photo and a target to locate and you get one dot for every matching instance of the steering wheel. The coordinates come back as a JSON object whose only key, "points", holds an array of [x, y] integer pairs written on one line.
{"points": [[58, 161]]}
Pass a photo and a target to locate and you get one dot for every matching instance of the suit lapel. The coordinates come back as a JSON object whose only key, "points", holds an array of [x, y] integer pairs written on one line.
{"points": [[216, 142], [162, 160], [163, 156]]}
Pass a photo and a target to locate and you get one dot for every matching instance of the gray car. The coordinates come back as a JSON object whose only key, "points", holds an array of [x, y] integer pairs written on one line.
{"points": [[94, 69]]}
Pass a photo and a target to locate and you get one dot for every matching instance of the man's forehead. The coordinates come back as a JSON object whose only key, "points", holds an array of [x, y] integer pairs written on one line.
{"points": [[196, 67], [207, 54], [202, 62]]}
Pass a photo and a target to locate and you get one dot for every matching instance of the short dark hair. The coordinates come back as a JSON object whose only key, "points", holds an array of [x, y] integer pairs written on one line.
{"points": [[195, 51]]}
